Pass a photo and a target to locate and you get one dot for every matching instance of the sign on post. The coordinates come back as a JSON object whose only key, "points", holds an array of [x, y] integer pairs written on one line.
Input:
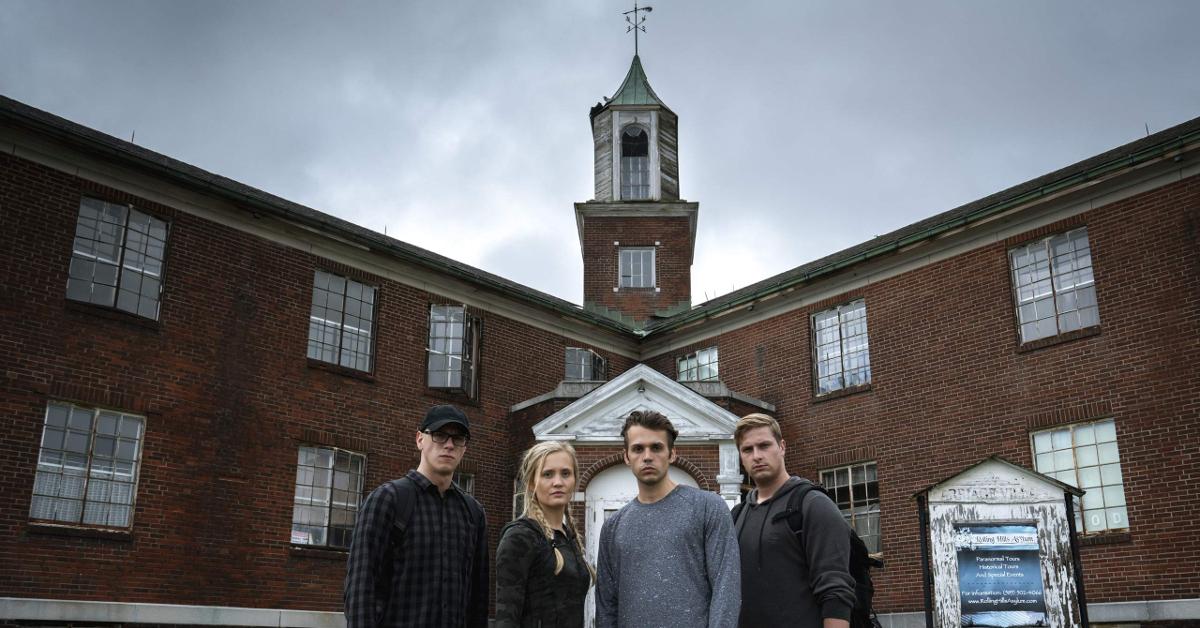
{"points": [[1000, 576], [999, 549]]}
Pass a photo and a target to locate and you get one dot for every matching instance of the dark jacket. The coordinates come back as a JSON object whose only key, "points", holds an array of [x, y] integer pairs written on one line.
{"points": [[528, 594], [785, 582]]}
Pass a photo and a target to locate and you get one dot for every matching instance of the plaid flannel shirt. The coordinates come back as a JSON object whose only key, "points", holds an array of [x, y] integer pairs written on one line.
{"points": [[433, 575]]}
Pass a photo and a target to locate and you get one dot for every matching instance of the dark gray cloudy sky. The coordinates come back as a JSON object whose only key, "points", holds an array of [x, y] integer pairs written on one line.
{"points": [[805, 127]]}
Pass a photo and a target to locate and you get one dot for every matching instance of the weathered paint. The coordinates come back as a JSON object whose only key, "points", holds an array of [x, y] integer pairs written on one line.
{"points": [[998, 492], [668, 148], [602, 139]]}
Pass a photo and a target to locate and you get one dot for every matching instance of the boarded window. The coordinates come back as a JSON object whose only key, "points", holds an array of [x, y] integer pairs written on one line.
{"points": [[1086, 456]]}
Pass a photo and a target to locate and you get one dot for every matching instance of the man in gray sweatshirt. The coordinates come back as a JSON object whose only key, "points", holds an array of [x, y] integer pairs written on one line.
{"points": [[786, 582], [669, 557]]}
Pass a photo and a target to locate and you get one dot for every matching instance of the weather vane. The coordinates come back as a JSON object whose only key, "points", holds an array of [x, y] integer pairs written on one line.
{"points": [[635, 19]]}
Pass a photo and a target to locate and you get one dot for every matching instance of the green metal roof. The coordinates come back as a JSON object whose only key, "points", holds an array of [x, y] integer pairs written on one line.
{"points": [[636, 89]]}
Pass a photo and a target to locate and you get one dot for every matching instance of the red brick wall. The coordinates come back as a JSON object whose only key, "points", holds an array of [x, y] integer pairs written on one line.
{"points": [[673, 270], [950, 387], [229, 396]]}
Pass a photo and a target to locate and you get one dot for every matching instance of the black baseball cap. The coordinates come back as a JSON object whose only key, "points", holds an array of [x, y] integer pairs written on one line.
{"points": [[443, 415]]}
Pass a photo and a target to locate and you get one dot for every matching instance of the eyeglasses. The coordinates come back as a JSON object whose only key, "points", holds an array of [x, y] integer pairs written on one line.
{"points": [[440, 438]]}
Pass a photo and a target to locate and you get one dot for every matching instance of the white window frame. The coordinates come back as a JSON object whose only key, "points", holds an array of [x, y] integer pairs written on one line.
{"points": [[1053, 286], [518, 499], [118, 258], [861, 511], [1086, 455], [841, 348], [341, 327], [584, 365], [317, 494], [465, 482], [452, 355], [636, 266], [89, 458], [699, 366]]}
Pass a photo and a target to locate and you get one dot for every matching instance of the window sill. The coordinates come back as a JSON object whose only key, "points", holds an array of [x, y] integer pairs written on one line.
{"points": [[843, 392], [321, 553], [635, 289], [111, 313], [1034, 345], [341, 370], [1105, 538], [78, 531], [453, 395]]}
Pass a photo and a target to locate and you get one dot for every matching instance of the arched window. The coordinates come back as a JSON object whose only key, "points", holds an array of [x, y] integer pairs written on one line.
{"points": [[635, 163]]}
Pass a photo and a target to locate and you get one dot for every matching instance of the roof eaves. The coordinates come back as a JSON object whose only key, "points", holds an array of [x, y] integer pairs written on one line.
{"points": [[1124, 156], [93, 141]]}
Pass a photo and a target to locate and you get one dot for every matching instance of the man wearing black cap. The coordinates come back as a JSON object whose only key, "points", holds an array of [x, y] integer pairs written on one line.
{"points": [[419, 552]]}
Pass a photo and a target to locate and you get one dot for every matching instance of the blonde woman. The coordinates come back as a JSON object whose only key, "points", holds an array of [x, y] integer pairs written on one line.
{"points": [[541, 575]]}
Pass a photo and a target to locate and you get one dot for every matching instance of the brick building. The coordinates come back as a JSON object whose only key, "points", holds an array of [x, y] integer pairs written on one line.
{"points": [[201, 379]]}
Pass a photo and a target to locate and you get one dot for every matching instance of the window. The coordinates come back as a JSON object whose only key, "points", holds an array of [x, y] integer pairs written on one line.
{"points": [[840, 338], [465, 482], [329, 485], [637, 267], [453, 352], [855, 489], [585, 365], [700, 366], [635, 164], [1086, 456], [117, 258], [1052, 279], [341, 322], [518, 498], [87, 468]]}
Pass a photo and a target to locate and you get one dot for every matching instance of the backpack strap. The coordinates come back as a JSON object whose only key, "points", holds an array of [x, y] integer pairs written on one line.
{"points": [[406, 496], [794, 513]]}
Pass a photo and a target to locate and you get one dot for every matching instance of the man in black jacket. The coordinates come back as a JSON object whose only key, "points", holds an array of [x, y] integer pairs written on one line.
{"points": [[419, 553], [786, 580]]}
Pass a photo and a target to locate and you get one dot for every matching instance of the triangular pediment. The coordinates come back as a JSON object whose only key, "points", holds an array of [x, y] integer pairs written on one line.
{"points": [[599, 415], [995, 479]]}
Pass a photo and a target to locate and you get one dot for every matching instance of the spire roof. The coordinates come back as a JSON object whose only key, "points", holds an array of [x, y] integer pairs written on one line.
{"points": [[636, 88]]}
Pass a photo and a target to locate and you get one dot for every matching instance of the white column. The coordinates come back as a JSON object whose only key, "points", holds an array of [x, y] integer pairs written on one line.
{"points": [[729, 479]]}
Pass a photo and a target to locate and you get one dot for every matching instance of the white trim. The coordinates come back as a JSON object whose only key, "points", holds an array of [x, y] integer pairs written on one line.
{"points": [[639, 386], [31, 609]]}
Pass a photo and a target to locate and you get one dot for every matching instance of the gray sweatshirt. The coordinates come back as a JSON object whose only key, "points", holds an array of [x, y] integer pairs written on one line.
{"points": [[785, 583], [670, 563]]}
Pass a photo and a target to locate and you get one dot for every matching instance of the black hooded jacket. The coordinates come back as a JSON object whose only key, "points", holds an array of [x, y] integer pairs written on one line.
{"points": [[528, 594], [784, 582]]}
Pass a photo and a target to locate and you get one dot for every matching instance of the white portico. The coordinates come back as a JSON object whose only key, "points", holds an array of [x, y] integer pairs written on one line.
{"points": [[597, 417]]}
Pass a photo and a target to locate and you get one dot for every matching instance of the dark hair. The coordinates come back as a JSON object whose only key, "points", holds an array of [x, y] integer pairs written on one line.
{"points": [[650, 420]]}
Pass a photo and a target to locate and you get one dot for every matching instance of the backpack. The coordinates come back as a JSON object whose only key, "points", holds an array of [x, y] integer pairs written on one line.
{"points": [[406, 493], [861, 562]]}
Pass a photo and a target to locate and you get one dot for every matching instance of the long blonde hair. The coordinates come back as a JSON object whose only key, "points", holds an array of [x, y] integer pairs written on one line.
{"points": [[531, 467]]}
